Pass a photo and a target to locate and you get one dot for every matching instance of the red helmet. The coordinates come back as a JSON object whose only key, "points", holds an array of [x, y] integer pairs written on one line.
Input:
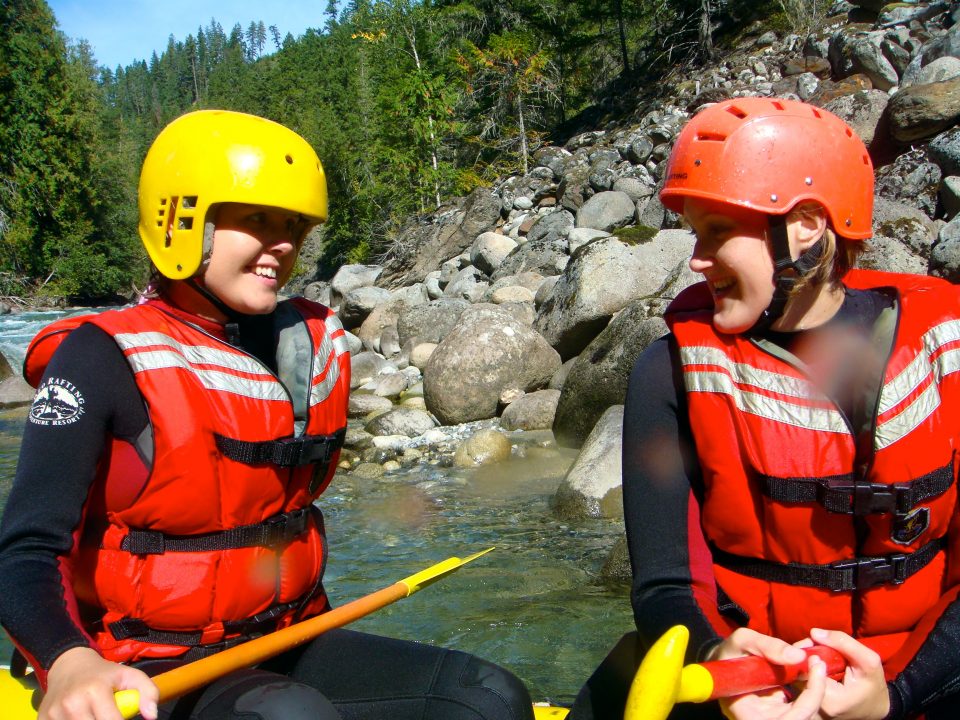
{"points": [[769, 154]]}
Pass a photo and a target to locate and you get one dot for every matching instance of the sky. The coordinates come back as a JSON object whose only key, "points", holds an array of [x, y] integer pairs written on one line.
{"points": [[121, 31]]}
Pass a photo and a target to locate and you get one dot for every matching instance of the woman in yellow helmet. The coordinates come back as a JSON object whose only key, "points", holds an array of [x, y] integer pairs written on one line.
{"points": [[789, 449], [163, 505]]}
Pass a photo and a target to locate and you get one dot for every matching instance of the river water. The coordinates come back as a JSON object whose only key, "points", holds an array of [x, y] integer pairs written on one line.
{"points": [[535, 605]]}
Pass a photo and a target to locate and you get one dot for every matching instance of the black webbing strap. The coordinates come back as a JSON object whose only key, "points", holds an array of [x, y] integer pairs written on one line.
{"points": [[843, 494], [285, 452], [844, 575], [245, 629], [277, 530], [786, 270]]}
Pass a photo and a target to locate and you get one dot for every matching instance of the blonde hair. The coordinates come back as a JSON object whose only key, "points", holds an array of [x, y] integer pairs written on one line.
{"points": [[838, 256]]}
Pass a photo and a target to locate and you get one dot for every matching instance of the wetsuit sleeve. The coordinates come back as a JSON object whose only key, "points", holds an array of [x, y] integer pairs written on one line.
{"points": [[65, 433], [673, 579], [933, 670]]}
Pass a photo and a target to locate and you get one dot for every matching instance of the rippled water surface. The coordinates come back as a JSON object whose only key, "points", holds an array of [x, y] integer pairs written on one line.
{"points": [[534, 605]]}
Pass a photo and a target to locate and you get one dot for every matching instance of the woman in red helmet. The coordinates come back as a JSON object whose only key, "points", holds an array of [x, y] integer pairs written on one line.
{"points": [[789, 447], [163, 506]]}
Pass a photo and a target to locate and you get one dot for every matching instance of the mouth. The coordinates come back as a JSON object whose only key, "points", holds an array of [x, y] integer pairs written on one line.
{"points": [[263, 271], [721, 287]]}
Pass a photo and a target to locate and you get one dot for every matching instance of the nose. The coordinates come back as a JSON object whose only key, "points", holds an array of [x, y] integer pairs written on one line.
{"points": [[701, 259]]}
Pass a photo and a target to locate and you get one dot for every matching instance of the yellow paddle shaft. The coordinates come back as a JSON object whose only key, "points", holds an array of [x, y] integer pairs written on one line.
{"points": [[186, 678]]}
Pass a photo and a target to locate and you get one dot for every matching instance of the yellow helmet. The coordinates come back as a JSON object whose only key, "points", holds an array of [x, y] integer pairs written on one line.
{"points": [[214, 156]]}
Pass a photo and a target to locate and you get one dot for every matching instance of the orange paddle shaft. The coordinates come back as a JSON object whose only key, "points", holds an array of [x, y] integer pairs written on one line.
{"points": [[737, 676]]}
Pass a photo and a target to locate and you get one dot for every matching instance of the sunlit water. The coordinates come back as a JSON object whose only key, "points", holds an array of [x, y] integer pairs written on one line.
{"points": [[534, 605]]}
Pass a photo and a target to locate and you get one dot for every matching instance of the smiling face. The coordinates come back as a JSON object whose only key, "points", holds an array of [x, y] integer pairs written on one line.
{"points": [[254, 250], [733, 255]]}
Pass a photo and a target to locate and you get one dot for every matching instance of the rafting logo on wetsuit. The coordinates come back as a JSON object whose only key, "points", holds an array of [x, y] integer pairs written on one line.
{"points": [[57, 402]]}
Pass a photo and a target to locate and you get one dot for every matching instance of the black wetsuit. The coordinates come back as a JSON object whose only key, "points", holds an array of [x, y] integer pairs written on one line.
{"points": [[342, 674], [656, 499]]}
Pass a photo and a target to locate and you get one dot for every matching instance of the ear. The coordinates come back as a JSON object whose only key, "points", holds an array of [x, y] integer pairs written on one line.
{"points": [[805, 226]]}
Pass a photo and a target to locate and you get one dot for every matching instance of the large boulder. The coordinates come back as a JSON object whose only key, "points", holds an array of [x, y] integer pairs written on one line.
{"points": [[388, 313], [604, 277], [423, 245], [607, 211], [487, 352], [351, 277], [358, 303], [593, 487], [922, 111], [430, 322], [598, 377]]}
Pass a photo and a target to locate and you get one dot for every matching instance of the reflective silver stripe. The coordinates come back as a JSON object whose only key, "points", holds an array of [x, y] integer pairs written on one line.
{"points": [[337, 333], [904, 422], [746, 374], [197, 359], [320, 391], [196, 354], [331, 349], [914, 375], [267, 389], [782, 411]]}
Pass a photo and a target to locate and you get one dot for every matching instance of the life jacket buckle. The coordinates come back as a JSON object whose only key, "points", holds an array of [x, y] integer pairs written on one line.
{"points": [[869, 498], [868, 572]]}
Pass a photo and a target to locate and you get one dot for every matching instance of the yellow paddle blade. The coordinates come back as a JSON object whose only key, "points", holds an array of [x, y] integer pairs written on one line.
{"points": [[18, 695], [549, 712], [436, 572]]}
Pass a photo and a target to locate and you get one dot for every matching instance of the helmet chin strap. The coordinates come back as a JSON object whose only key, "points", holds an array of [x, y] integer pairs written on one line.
{"points": [[231, 326], [786, 271]]}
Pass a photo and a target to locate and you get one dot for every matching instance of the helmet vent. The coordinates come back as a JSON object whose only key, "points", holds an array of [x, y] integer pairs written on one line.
{"points": [[711, 136], [188, 202], [185, 223], [778, 105], [168, 235], [816, 113], [734, 110], [289, 159]]}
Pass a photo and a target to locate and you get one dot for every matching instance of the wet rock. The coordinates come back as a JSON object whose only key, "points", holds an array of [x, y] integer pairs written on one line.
{"points": [[532, 411], [368, 470], [483, 448], [617, 564], [592, 488]]}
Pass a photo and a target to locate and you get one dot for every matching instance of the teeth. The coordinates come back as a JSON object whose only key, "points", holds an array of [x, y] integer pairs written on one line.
{"points": [[722, 284], [266, 272]]}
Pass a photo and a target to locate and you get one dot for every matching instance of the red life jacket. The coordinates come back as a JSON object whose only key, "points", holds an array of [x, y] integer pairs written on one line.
{"points": [[805, 528], [205, 532]]}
